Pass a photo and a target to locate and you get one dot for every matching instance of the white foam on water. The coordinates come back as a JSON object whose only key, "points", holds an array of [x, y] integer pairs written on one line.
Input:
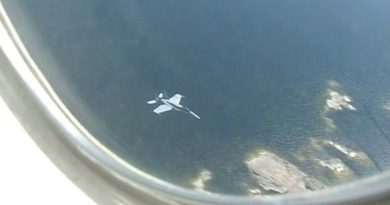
{"points": [[200, 182], [335, 101], [353, 154], [338, 168]]}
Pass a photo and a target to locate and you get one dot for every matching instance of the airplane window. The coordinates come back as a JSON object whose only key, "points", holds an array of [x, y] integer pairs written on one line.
{"points": [[239, 98]]}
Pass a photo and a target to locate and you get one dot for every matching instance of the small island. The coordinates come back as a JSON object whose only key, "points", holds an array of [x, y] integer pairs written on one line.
{"points": [[275, 175]]}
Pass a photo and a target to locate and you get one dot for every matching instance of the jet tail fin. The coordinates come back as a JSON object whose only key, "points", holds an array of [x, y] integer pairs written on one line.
{"points": [[163, 94]]}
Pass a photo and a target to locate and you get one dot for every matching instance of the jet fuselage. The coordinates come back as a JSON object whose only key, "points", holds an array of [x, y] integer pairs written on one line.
{"points": [[176, 107]]}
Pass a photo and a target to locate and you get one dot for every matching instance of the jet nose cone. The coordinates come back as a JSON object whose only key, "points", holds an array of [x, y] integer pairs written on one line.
{"points": [[195, 115]]}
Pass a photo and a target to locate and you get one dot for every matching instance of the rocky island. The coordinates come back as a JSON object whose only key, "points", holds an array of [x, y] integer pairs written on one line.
{"points": [[275, 175]]}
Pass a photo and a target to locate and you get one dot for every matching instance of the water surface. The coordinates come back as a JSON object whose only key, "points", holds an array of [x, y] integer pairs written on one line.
{"points": [[258, 73]]}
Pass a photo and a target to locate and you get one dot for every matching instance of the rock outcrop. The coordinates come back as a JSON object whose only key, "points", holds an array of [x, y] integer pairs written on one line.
{"points": [[274, 174]]}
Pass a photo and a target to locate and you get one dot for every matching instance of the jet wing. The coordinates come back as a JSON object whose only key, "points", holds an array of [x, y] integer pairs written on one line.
{"points": [[162, 108], [175, 99]]}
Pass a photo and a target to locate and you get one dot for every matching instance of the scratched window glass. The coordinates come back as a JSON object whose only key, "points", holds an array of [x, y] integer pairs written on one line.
{"points": [[234, 97]]}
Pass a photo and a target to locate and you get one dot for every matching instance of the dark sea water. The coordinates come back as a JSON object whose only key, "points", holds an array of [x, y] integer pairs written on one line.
{"points": [[256, 72]]}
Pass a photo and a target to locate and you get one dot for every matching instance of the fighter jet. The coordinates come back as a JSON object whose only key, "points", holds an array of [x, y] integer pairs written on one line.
{"points": [[172, 103]]}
